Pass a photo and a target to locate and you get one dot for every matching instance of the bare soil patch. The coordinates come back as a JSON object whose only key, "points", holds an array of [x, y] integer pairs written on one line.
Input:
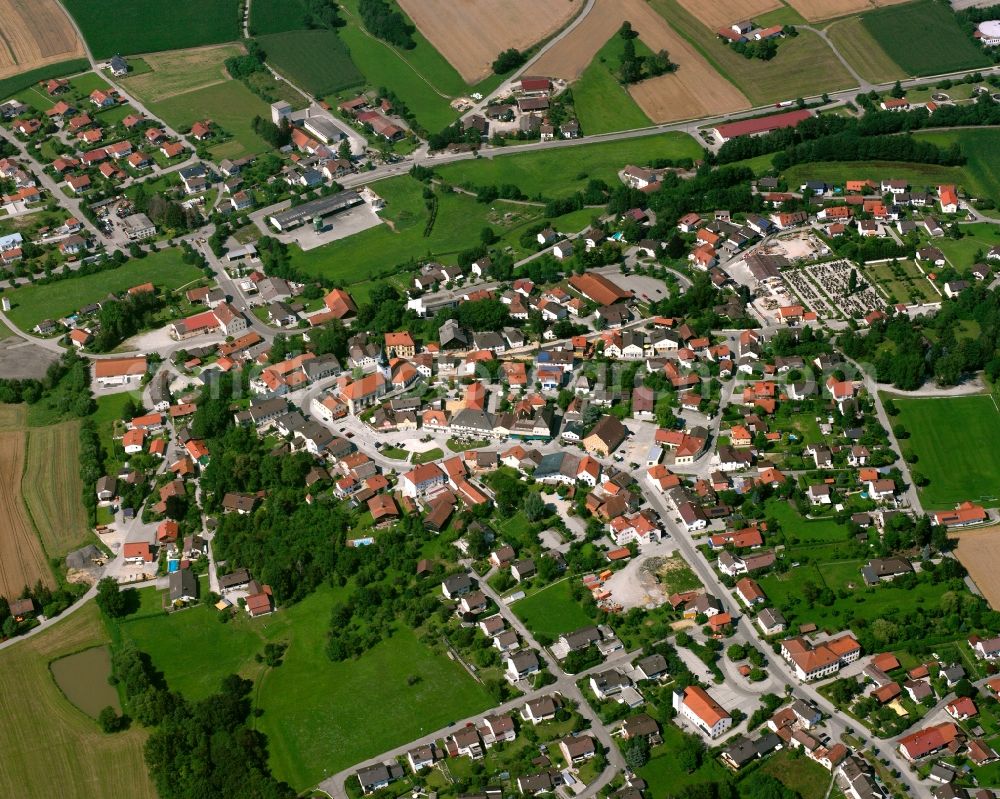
{"points": [[694, 90], [22, 561], [722, 13], [470, 34], [35, 33], [979, 552], [814, 10]]}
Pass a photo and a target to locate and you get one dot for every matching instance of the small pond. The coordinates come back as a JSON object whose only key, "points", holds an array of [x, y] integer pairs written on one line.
{"points": [[83, 678]]}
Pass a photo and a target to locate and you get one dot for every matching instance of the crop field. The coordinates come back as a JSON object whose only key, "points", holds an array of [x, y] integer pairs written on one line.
{"points": [[923, 38], [723, 13], [695, 89], [552, 611], [317, 60], [547, 173], [957, 440], [602, 103], [276, 16], [316, 713], [859, 47], [231, 105], [22, 560], [32, 304], [73, 758], [814, 10], [804, 66], [36, 33], [981, 176], [979, 552], [52, 487], [471, 33], [146, 26], [181, 71]]}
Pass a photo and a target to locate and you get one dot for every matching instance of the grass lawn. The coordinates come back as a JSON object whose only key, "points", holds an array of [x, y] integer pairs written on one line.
{"points": [[230, 105], [602, 103], [924, 38], [804, 66], [315, 60], [664, 773], [430, 455], [859, 47], [32, 304], [24, 80], [144, 26], [77, 760], [958, 442], [914, 287], [178, 643], [800, 774], [392, 248], [804, 531], [981, 174], [962, 252], [317, 715], [51, 487], [552, 611], [555, 173], [109, 411], [181, 71]]}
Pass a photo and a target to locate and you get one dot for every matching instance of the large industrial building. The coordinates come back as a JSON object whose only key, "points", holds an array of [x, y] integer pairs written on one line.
{"points": [[321, 208]]}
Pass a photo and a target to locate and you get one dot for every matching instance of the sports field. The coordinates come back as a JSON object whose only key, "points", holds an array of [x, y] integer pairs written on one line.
{"points": [[859, 47], [146, 26], [957, 440], [52, 487], [22, 559], [804, 66], [53, 748], [181, 71], [230, 105], [317, 714], [923, 38], [471, 33], [317, 60], [35, 33], [32, 304], [557, 173], [552, 611], [602, 104]]}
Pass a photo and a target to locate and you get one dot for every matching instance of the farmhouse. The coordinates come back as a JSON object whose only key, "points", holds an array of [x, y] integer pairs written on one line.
{"points": [[119, 371], [812, 662], [761, 125]]}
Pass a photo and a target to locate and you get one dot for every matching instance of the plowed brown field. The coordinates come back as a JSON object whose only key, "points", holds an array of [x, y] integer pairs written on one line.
{"points": [[828, 9], [694, 90], [35, 33], [471, 33], [723, 13], [979, 552], [22, 561]]}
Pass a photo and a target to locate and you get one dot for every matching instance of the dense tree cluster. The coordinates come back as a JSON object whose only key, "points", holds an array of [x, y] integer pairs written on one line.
{"points": [[122, 318], [385, 22], [509, 60], [275, 135], [633, 67]]}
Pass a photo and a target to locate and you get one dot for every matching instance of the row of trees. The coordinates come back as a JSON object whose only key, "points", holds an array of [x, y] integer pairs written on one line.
{"points": [[385, 22]]}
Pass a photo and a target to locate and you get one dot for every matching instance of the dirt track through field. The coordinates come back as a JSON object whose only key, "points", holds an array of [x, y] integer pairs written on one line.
{"points": [[814, 10], [36, 33], [979, 552], [470, 34], [694, 90], [723, 13], [22, 561]]}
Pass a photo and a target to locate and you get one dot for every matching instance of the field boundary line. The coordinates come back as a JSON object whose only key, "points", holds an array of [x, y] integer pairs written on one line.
{"points": [[171, 95]]}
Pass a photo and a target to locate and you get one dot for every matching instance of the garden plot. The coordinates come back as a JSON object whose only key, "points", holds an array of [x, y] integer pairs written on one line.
{"points": [[834, 280]]}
